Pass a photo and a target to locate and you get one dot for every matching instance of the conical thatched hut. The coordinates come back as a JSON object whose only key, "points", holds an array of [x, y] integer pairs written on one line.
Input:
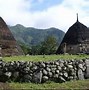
{"points": [[76, 40], [8, 44]]}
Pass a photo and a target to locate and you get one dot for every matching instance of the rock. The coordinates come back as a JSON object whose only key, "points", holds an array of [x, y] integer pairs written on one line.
{"points": [[27, 78], [81, 61], [15, 76], [80, 74], [87, 68], [70, 66], [70, 63], [65, 63], [84, 68], [53, 69], [8, 74], [75, 76], [26, 70], [80, 66], [48, 69], [61, 79], [34, 68], [56, 63], [1, 72], [65, 74], [60, 74], [57, 71], [30, 64], [70, 77], [45, 72], [71, 72], [50, 74], [43, 65], [53, 66], [59, 68], [64, 68], [45, 78], [61, 64], [37, 77], [56, 76]]}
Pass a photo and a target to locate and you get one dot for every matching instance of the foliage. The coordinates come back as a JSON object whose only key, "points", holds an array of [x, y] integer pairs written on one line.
{"points": [[49, 45], [35, 50], [25, 48]]}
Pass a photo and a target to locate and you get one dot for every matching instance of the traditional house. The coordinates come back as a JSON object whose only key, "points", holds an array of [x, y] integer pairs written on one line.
{"points": [[8, 44], [76, 40]]}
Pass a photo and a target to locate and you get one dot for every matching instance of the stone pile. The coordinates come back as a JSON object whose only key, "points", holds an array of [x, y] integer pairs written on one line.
{"points": [[40, 72]]}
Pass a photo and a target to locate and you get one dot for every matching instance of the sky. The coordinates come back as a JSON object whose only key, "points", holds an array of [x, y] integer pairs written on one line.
{"points": [[44, 14]]}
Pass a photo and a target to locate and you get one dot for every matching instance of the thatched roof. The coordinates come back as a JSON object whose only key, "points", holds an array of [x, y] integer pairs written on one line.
{"points": [[76, 34], [8, 43]]}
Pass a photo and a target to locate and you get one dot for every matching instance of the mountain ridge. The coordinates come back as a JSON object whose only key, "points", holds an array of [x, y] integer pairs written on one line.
{"points": [[33, 36]]}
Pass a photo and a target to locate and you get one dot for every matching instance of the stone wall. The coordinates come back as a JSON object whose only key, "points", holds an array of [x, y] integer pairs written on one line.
{"points": [[40, 72]]}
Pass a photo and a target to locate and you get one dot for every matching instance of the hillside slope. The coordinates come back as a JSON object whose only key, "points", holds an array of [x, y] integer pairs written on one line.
{"points": [[32, 36]]}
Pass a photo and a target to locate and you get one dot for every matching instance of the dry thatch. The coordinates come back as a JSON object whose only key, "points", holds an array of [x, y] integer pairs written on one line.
{"points": [[8, 44], [76, 40]]}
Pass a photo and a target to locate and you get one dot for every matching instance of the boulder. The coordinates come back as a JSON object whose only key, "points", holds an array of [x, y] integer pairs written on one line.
{"points": [[48, 69], [27, 78], [50, 74], [45, 78], [65, 74], [59, 68], [43, 65], [80, 74], [87, 68], [61, 79], [8, 74], [70, 66], [37, 77], [44, 72], [80, 66]]}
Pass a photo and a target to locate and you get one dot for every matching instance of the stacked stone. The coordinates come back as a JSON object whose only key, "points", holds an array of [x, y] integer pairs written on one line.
{"points": [[40, 72]]}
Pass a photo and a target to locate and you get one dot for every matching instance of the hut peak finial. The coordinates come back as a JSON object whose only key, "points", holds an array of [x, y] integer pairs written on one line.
{"points": [[77, 17]]}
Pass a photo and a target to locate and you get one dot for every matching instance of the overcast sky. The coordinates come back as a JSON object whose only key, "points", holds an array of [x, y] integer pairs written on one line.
{"points": [[45, 13]]}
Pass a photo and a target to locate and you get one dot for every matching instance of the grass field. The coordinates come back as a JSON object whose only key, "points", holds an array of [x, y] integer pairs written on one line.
{"points": [[36, 58], [71, 85]]}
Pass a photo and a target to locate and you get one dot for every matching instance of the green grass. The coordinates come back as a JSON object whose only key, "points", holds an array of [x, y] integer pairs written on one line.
{"points": [[36, 58], [70, 85]]}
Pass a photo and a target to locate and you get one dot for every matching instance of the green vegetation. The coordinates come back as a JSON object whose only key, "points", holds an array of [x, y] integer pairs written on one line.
{"points": [[47, 47], [32, 36], [70, 85], [36, 58]]}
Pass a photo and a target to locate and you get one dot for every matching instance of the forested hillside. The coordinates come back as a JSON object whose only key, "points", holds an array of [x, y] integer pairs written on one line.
{"points": [[32, 36]]}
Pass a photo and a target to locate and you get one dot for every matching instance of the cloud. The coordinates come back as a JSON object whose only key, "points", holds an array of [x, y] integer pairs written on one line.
{"points": [[40, 1], [61, 16]]}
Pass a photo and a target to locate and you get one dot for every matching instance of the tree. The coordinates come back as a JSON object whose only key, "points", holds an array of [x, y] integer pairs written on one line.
{"points": [[35, 50], [25, 48], [48, 46]]}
